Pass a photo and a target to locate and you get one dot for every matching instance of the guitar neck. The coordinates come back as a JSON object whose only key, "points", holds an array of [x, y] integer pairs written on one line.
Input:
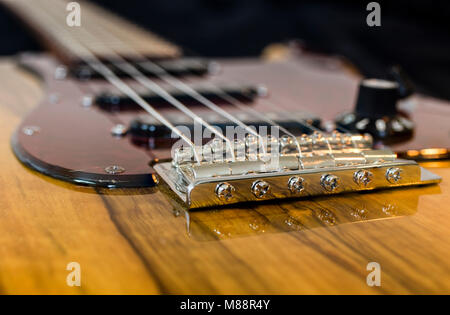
{"points": [[48, 20]]}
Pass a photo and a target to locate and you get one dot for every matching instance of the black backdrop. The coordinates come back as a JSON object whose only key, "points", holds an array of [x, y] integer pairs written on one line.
{"points": [[414, 34]]}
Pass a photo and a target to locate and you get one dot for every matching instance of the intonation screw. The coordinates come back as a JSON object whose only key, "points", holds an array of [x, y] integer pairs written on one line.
{"points": [[114, 169], [260, 189], [393, 175], [224, 191], [363, 177], [329, 182], [296, 184]]}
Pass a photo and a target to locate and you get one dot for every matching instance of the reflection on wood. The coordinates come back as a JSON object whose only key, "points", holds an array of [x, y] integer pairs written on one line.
{"points": [[300, 215]]}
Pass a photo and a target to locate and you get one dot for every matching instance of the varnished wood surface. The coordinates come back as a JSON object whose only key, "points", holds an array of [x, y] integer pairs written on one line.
{"points": [[139, 241]]}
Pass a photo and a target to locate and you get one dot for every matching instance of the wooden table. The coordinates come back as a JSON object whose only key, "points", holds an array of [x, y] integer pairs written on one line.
{"points": [[139, 241]]}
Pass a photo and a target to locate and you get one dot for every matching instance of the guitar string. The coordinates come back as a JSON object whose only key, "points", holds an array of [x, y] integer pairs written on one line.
{"points": [[237, 103], [167, 77], [121, 63], [306, 124], [312, 127], [162, 73], [90, 59], [128, 68], [125, 66], [269, 104]]}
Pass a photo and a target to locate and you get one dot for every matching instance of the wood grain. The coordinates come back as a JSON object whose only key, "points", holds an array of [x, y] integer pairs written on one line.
{"points": [[140, 241]]}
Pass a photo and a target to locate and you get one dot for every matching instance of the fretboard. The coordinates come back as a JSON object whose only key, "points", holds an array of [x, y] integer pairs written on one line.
{"points": [[100, 31]]}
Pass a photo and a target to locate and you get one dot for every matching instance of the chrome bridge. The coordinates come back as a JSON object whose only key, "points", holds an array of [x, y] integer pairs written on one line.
{"points": [[269, 168]]}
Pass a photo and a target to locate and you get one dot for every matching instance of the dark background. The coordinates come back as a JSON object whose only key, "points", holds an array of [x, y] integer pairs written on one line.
{"points": [[414, 34]]}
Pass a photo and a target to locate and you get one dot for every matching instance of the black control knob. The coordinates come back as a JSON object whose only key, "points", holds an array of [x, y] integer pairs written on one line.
{"points": [[377, 98], [376, 113]]}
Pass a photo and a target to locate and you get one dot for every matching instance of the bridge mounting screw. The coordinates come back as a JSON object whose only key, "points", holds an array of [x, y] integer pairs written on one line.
{"points": [[224, 191], [296, 184], [393, 175], [114, 169], [330, 182], [260, 189], [363, 177]]}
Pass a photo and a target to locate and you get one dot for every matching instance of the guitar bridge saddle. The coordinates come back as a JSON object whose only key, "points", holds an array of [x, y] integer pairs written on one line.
{"points": [[222, 179]]}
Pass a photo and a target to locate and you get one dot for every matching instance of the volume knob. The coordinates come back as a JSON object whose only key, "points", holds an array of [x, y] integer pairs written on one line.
{"points": [[377, 98], [376, 112]]}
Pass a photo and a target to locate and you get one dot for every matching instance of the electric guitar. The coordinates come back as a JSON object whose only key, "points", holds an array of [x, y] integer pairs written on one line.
{"points": [[159, 172]]}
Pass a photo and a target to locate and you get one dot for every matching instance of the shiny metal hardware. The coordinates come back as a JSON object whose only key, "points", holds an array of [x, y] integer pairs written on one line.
{"points": [[315, 150], [119, 130], [260, 189], [114, 169], [363, 177], [255, 177], [296, 184], [87, 100], [31, 130], [393, 175], [224, 191], [329, 182], [61, 72]]}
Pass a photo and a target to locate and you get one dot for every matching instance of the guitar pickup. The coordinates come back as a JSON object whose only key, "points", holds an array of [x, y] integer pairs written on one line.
{"points": [[146, 127], [331, 164], [176, 67], [119, 101]]}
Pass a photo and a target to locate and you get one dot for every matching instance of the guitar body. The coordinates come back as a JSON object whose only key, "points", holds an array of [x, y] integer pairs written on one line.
{"points": [[78, 147], [139, 240]]}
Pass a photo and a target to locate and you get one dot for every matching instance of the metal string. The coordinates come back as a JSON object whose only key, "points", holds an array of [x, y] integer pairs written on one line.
{"points": [[164, 75], [90, 59]]}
